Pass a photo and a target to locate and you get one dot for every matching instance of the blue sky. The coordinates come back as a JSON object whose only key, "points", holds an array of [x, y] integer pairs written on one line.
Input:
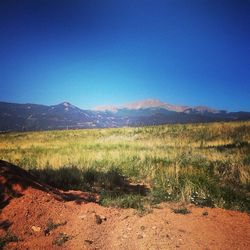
{"points": [[99, 52]]}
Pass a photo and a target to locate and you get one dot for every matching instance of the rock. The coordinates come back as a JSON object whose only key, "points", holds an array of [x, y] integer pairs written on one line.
{"points": [[89, 241], [205, 213], [182, 230], [98, 219], [103, 218], [139, 236], [142, 228], [36, 229]]}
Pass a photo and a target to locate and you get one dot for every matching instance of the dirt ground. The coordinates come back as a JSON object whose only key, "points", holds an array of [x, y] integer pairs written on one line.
{"points": [[45, 218]]}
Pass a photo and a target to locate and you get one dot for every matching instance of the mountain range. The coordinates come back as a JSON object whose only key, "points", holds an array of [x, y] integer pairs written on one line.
{"points": [[32, 117]]}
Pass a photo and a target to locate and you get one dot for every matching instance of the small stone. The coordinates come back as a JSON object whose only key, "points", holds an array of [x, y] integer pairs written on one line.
{"points": [[182, 230], [36, 229], [103, 218], [154, 227], [205, 213], [98, 219], [89, 241], [142, 228], [139, 236]]}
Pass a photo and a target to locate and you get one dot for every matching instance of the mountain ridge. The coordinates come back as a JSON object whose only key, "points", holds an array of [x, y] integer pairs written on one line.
{"points": [[156, 103], [27, 117]]}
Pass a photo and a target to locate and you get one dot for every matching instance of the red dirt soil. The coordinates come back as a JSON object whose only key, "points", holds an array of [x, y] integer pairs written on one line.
{"points": [[77, 222]]}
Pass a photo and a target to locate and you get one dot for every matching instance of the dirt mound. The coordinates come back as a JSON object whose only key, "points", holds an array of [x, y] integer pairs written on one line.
{"points": [[15, 180], [36, 216]]}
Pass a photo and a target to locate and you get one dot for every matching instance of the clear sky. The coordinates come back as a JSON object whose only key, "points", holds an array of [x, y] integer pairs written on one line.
{"points": [[98, 52]]}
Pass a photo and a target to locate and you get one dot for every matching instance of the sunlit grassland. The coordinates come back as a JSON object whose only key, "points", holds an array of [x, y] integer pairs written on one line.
{"points": [[207, 164]]}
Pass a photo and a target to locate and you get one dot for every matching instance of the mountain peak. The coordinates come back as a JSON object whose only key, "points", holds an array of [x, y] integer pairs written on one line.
{"points": [[65, 104], [158, 104], [143, 104], [147, 103]]}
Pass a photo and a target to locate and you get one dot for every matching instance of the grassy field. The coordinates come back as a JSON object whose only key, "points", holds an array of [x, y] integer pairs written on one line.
{"points": [[205, 164]]}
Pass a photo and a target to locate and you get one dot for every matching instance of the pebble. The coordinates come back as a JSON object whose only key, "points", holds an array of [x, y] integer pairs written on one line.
{"points": [[36, 229], [89, 241], [103, 217], [98, 219], [139, 236]]}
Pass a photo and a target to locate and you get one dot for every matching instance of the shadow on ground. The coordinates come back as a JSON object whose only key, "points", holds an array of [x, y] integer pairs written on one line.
{"points": [[13, 180], [5, 224], [221, 148], [91, 180], [66, 183]]}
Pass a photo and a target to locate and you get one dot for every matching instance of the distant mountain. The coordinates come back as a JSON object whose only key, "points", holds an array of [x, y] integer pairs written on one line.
{"points": [[26, 117], [154, 103]]}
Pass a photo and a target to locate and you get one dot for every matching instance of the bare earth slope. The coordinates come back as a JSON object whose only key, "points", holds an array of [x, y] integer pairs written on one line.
{"points": [[46, 218]]}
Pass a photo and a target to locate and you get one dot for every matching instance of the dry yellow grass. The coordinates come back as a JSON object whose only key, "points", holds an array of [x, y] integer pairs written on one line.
{"points": [[172, 158]]}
